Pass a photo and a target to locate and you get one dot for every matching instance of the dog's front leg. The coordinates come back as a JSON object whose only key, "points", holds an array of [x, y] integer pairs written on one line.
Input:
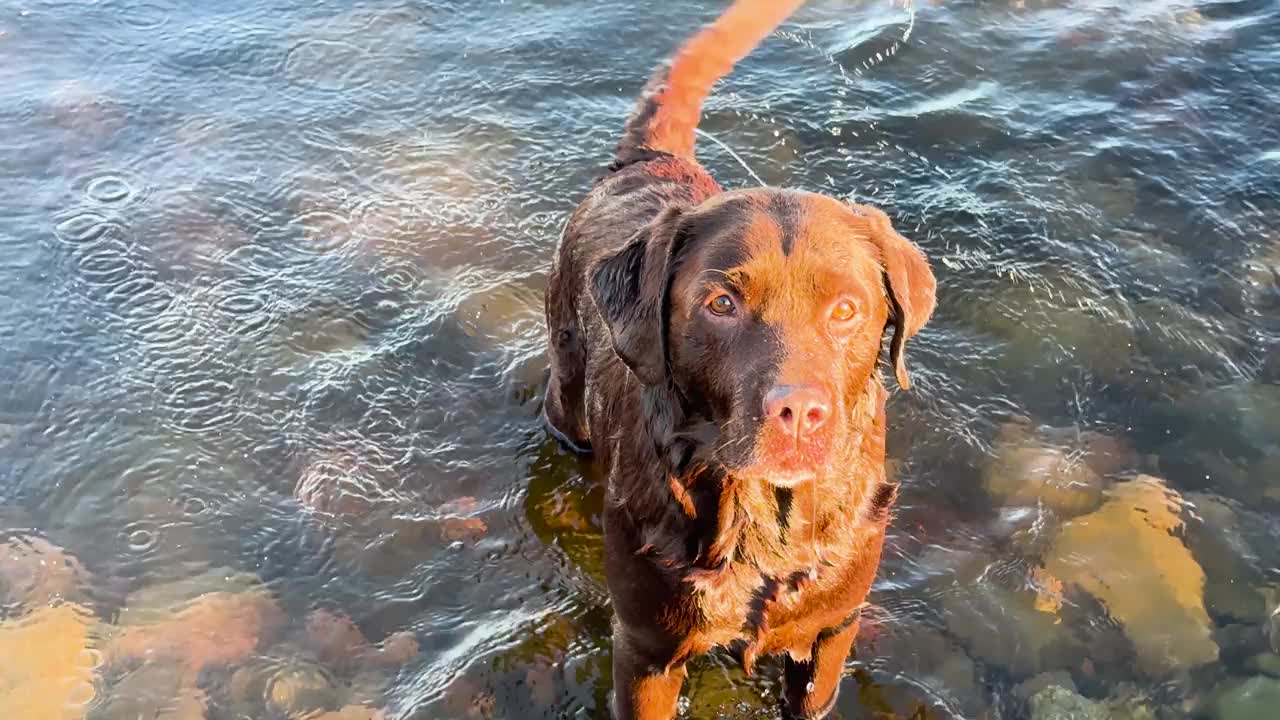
{"points": [[811, 686], [645, 687]]}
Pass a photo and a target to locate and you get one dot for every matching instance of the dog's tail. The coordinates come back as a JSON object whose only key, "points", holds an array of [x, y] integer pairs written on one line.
{"points": [[667, 113]]}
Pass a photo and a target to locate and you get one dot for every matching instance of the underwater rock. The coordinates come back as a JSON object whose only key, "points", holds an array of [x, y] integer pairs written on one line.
{"points": [[398, 649], [350, 712], [1254, 699], [1265, 664], [299, 688], [282, 686], [1059, 703], [36, 573], [155, 691], [55, 678], [345, 483], [1270, 371], [194, 626], [1273, 629], [1126, 555], [1004, 628], [1029, 688], [458, 523], [933, 660], [1231, 582], [334, 638], [1238, 643], [338, 643], [1026, 470]]}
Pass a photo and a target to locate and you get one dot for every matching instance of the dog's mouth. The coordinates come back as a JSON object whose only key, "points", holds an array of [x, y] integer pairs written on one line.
{"points": [[788, 469]]}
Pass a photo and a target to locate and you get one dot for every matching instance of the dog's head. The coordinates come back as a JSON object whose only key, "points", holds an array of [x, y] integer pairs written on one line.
{"points": [[762, 312]]}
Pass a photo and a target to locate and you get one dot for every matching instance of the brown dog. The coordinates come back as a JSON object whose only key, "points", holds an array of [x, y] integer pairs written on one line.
{"points": [[718, 351]]}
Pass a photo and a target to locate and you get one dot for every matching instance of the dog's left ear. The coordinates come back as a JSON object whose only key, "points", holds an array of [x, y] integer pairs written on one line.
{"points": [[629, 289], [910, 283]]}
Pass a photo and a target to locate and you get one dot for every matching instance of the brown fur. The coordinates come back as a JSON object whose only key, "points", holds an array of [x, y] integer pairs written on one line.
{"points": [[724, 524]]}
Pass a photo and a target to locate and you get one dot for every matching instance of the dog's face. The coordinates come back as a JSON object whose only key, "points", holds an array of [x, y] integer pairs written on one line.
{"points": [[763, 311]]}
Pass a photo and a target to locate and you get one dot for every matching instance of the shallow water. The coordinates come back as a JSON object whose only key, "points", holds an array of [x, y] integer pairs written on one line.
{"points": [[270, 300]]}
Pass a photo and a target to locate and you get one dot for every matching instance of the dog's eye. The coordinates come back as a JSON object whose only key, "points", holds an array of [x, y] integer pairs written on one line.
{"points": [[721, 305], [843, 311]]}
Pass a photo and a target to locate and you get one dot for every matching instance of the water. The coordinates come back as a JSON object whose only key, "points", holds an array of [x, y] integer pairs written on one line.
{"points": [[270, 303]]}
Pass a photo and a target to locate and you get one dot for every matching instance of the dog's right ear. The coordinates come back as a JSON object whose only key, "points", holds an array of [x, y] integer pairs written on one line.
{"points": [[630, 292]]}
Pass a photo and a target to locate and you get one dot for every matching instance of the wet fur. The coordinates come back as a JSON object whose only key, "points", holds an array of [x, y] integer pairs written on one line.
{"points": [[699, 552]]}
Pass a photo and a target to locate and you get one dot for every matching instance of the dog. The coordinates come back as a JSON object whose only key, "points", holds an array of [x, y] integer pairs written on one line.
{"points": [[717, 353]]}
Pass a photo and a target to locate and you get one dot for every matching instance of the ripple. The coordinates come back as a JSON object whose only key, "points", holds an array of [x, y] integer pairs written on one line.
{"points": [[85, 228], [324, 232], [144, 16], [141, 296], [249, 304], [399, 277], [107, 265], [140, 537], [192, 505], [109, 189], [327, 65], [203, 404]]}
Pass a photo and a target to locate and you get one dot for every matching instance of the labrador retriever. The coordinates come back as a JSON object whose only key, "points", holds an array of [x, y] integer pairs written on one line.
{"points": [[717, 353]]}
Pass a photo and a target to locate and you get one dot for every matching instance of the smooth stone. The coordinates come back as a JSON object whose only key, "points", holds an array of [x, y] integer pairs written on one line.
{"points": [[1127, 555], [1059, 703], [36, 573], [350, 712], [55, 678], [1004, 628], [1238, 643], [1027, 469], [1267, 663], [158, 602], [1272, 627], [1029, 688], [300, 688], [1257, 698], [154, 691], [218, 628]]}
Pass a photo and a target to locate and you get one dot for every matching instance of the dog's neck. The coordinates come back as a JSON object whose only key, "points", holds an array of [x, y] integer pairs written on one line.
{"points": [[702, 519]]}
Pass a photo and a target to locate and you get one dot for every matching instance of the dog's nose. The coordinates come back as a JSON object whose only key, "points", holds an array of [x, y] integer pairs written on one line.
{"points": [[798, 410]]}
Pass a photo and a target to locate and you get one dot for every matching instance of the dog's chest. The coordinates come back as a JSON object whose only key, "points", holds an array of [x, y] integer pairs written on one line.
{"points": [[759, 610]]}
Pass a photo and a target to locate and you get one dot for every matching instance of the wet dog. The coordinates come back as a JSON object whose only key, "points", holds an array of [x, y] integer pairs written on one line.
{"points": [[718, 354]]}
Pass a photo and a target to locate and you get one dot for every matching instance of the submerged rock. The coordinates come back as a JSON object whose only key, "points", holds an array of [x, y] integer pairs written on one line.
{"points": [[334, 638], [155, 691], [1126, 555], [282, 687], [1216, 540], [165, 623], [338, 643], [1257, 698], [1028, 469], [299, 688], [48, 667], [933, 660], [35, 573], [1059, 703], [350, 712], [1265, 664], [1003, 627]]}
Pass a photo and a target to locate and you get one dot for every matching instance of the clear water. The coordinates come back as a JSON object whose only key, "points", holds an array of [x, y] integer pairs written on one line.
{"points": [[259, 253]]}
